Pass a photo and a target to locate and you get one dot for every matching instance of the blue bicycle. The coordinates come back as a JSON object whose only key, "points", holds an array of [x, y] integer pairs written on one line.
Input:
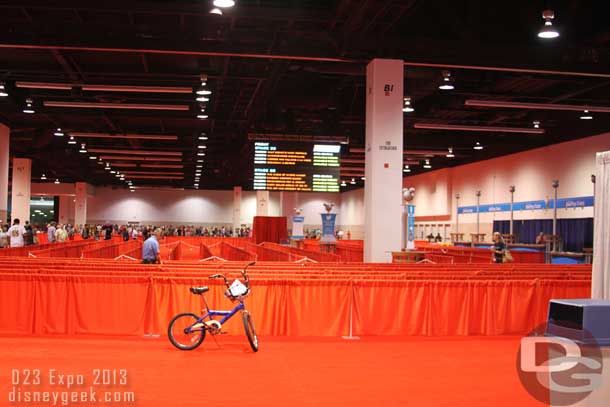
{"points": [[187, 331]]}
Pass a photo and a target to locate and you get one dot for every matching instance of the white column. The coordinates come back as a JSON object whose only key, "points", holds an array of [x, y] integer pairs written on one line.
{"points": [[383, 159], [262, 203], [21, 187], [80, 206], [4, 157], [601, 227], [66, 209], [236, 208]]}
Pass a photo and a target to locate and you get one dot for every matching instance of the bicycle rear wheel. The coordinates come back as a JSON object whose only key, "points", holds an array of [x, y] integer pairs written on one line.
{"points": [[176, 332], [250, 332]]}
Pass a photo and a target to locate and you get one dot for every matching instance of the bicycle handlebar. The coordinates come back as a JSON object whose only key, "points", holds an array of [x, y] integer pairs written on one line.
{"points": [[243, 273]]}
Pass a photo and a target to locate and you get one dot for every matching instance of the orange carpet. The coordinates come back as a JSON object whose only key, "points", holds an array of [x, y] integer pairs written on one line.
{"points": [[472, 371]]}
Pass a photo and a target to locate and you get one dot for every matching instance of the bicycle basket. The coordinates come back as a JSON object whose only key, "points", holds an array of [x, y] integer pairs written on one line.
{"points": [[237, 290]]}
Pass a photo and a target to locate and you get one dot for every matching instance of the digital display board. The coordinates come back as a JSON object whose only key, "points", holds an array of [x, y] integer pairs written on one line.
{"points": [[296, 166]]}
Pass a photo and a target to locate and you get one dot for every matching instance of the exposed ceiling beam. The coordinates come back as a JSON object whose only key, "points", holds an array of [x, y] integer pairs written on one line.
{"points": [[105, 88], [161, 166], [156, 177], [536, 106], [135, 152], [406, 152], [125, 136], [455, 127], [130, 106], [130, 173], [133, 158]]}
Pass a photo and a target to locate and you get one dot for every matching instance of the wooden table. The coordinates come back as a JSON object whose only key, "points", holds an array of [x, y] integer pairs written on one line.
{"points": [[456, 237], [477, 237], [408, 256]]}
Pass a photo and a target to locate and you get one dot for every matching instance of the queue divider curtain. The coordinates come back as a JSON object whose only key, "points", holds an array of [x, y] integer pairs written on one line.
{"points": [[109, 304], [270, 229]]}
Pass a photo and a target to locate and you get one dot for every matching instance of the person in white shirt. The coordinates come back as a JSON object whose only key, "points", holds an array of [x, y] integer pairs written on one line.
{"points": [[15, 234], [134, 234]]}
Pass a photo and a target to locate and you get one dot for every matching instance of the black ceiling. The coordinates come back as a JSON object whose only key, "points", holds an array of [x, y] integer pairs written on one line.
{"points": [[290, 67]]}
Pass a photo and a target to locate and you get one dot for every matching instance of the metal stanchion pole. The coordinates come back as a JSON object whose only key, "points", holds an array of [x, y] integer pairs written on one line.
{"points": [[351, 336], [457, 216], [555, 185], [478, 215], [512, 201]]}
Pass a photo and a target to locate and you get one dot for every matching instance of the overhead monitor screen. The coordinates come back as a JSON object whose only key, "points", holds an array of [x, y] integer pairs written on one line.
{"points": [[296, 166]]}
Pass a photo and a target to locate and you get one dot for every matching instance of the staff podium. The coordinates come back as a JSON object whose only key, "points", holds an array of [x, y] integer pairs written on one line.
{"points": [[587, 323]]}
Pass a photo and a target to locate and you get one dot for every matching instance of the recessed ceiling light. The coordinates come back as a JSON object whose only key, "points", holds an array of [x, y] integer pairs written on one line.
{"points": [[202, 99], [548, 31], [201, 154], [56, 181], [203, 137], [92, 157], [406, 169], [43, 178], [202, 116], [199, 161], [407, 106], [427, 165], [113, 172], [83, 148], [586, 115], [72, 140], [29, 106], [536, 124], [3, 92], [447, 83], [202, 146], [58, 133], [478, 146], [224, 3], [353, 181], [450, 153], [343, 184], [216, 11]]}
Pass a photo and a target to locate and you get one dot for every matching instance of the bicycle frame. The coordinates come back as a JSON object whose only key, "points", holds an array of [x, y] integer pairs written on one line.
{"points": [[218, 313]]}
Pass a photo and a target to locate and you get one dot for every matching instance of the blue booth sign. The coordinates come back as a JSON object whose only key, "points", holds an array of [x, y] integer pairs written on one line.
{"points": [[328, 227], [563, 203]]}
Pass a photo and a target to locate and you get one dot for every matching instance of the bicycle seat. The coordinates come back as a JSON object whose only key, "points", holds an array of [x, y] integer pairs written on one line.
{"points": [[199, 290]]}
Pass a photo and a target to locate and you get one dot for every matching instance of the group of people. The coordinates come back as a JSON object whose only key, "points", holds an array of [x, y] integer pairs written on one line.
{"points": [[26, 234]]}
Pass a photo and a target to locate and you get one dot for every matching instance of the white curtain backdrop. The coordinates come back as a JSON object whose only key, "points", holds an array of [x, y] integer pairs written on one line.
{"points": [[601, 244]]}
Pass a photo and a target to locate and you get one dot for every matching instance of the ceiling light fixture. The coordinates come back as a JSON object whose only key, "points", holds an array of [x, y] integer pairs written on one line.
{"points": [[536, 124], [58, 132], [201, 154], [202, 146], [407, 105], [56, 181], [450, 153], [202, 115], [92, 157], [478, 146], [3, 92], [224, 3], [203, 136], [83, 148], [427, 165], [112, 171], [202, 91], [216, 11], [447, 83], [586, 115], [43, 178], [72, 140], [202, 99], [548, 31], [29, 106], [353, 181], [406, 169]]}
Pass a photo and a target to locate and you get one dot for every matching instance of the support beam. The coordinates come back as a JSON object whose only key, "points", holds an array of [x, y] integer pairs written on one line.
{"points": [[80, 207], [21, 189], [4, 157], [384, 159]]}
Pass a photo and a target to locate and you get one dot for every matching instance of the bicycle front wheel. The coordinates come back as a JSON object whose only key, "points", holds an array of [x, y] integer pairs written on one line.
{"points": [[179, 334], [250, 332]]}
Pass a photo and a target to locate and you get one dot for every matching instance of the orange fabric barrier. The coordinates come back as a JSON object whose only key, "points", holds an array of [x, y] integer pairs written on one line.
{"points": [[64, 296]]}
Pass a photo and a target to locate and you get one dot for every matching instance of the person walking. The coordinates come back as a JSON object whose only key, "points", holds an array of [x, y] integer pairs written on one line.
{"points": [[499, 248]]}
